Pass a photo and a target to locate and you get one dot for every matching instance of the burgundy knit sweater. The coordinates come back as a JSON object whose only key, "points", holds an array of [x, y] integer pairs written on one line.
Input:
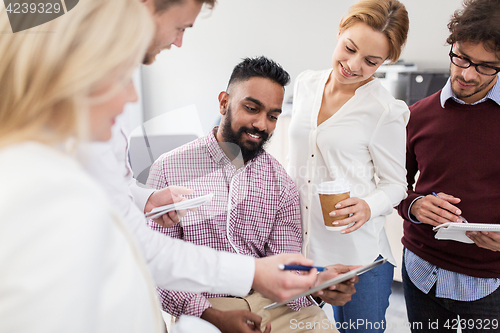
{"points": [[457, 151]]}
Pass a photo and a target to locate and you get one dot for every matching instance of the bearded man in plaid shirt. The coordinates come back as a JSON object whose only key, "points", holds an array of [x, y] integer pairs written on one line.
{"points": [[255, 208]]}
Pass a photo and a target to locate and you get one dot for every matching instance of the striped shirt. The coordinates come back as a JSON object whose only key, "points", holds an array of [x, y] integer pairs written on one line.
{"points": [[451, 285], [254, 210]]}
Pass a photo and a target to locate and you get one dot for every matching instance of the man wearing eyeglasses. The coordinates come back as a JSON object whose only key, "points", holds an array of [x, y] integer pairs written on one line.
{"points": [[454, 142]]}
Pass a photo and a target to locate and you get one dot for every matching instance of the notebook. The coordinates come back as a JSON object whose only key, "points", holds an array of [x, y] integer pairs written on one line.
{"points": [[456, 231]]}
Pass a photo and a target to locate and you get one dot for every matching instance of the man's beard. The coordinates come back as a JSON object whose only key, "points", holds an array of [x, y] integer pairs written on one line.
{"points": [[477, 89], [237, 138]]}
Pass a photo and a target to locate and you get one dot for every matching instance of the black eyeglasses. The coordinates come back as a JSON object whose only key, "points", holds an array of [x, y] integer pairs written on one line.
{"points": [[464, 62]]}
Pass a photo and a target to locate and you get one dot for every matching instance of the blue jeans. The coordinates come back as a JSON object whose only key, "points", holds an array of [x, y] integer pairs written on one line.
{"points": [[428, 313], [366, 310]]}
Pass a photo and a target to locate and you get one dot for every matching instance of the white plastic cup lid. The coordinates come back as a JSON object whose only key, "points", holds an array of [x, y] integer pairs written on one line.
{"points": [[339, 185]]}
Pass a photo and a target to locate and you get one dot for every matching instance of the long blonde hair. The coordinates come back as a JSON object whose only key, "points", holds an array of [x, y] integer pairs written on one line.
{"points": [[47, 73], [386, 16]]}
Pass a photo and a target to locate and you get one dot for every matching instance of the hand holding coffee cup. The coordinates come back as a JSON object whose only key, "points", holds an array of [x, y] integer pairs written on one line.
{"points": [[330, 194]]}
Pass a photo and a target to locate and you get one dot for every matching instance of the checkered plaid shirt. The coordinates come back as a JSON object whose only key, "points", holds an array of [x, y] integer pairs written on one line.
{"points": [[262, 199]]}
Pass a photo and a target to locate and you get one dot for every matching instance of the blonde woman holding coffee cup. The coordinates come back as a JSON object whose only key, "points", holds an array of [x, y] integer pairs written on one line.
{"points": [[345, 125]]}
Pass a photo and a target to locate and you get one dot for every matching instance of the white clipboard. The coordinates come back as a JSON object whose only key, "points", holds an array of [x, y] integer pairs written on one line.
{"points": [[331, 282], [186, 204]]}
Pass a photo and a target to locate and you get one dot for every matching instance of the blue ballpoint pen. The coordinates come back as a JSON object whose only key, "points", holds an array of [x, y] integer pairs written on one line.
{"points": [[459, 216], [299, 268]]}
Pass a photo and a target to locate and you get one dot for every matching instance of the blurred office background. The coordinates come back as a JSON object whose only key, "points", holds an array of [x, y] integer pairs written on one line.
{"points": [[299, 34]]}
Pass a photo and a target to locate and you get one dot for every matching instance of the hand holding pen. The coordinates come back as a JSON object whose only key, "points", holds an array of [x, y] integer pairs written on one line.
{"points": [[435, 209], [458, 211], [338, 294]]}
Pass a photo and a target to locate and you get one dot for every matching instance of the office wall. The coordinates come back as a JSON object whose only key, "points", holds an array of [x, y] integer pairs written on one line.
{"points": [[299, 34]]}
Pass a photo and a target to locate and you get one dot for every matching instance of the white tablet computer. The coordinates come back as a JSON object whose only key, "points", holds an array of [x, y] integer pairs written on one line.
{"points": [[338, 279]]}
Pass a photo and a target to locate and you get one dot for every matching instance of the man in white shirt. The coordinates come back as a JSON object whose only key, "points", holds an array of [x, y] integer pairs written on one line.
{"points": [[174, 264]]}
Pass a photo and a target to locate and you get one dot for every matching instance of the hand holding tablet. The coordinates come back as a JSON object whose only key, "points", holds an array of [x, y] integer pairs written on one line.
{"points": [[338, 279]]}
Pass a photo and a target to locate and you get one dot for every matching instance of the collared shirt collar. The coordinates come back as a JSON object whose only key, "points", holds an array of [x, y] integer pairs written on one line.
{"points": [[447, 93], [214, 148]]}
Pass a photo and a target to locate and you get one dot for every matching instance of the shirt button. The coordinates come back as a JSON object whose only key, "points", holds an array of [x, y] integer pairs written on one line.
{"points": [[308, 181], [312, 155], [307, 208], [306, 232]]}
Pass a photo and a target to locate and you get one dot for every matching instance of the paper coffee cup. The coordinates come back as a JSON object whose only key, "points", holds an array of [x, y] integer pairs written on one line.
{"points": [[331, 193]]}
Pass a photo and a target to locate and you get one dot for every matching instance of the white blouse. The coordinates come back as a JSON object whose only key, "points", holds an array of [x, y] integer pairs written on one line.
{"points": [[363, 142]]}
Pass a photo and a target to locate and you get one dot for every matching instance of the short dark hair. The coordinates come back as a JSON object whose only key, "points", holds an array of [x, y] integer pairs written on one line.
{"points": [[259, 67], [477, 22], [163, 5]]}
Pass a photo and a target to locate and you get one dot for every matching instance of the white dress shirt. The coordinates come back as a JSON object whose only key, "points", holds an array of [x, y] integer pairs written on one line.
{"points": [[174, 264], [67, 262], [363, 142]]}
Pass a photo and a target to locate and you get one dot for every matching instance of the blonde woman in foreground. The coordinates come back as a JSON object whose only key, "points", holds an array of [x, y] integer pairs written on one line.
{"points": [[67, 263], [345, 125]]}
